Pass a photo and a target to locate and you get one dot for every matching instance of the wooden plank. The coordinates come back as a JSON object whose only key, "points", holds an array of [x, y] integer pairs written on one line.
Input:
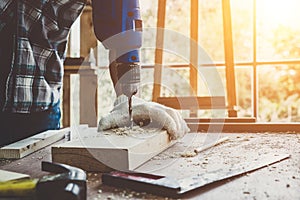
{"points": [[88, 39], [229, 59], [9, 176], [104, 151], [66, 108], [194, 47], [187, 103], [254, 62], [220, 120], [194, 26], [34, 143]]}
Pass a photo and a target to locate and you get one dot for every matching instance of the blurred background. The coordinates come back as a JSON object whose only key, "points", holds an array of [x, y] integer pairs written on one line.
{"points": [[265, 46]]}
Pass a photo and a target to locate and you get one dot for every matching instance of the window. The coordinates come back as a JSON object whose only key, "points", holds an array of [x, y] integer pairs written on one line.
{"points": [[266, 46]]}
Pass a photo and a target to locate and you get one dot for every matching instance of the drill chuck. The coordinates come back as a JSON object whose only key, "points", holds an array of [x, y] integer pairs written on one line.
{"points": [[128, 78], [118, 25]]}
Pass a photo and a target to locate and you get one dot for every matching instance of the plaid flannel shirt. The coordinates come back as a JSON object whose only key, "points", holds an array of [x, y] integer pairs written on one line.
{"points": [[35, 79]]}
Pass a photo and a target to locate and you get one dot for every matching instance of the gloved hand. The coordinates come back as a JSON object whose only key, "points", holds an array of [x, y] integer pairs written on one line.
{"points": [[145, 114]]}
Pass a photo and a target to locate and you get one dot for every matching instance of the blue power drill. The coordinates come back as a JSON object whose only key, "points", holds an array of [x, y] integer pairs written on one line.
{"points": [[118, 25]]}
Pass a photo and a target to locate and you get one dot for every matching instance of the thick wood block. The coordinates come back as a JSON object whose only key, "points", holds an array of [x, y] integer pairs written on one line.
{"points": [[34, 143], [104, 151]]}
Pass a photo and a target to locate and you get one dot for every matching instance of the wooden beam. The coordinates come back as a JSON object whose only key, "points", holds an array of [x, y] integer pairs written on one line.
{"points": [[188, 103], [225, 120], [229, 59], [88, 39], [194, 26], [66, 106], [255, 63], [105, 151], [194, 47], [32, 144], [161, 15]]}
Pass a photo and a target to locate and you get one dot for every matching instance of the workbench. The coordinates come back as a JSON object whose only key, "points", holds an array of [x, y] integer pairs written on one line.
{"points": [[278, 181]]}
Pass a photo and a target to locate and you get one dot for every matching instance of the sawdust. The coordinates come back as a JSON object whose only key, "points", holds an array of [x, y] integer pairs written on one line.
{"points": [[188, 154], [171, 155], [128, 130], [228, 157], [166, 155]]}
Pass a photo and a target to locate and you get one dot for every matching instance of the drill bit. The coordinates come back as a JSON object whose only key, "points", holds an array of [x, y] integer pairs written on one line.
{"points": [[130, 111]]}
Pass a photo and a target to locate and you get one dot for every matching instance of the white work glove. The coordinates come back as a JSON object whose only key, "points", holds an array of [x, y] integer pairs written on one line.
{"points": [[143, 112]]}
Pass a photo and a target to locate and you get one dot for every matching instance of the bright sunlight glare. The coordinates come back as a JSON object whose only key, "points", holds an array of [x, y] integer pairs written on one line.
{"points": [[278, 12]]}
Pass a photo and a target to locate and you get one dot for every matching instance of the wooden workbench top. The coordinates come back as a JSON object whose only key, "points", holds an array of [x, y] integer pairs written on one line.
{"points": [[278, 181]]}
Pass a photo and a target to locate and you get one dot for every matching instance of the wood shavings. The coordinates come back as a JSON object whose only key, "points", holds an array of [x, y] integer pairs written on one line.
{"points": [[128, 130], [166, 155], [188, 154]]}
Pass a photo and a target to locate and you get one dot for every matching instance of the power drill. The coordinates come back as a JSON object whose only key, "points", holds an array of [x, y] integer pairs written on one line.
{"points": [[118, 25]]}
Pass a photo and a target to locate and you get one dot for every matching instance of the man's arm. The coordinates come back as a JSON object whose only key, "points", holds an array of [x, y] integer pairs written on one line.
{"points": [[59, 17]]}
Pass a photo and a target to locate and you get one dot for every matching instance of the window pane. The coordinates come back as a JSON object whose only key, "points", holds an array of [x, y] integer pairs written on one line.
{"points": [[279, 91], [175, 82], [278, 29], [242, 29], [149, 17], [211, 28], [244, 91]]}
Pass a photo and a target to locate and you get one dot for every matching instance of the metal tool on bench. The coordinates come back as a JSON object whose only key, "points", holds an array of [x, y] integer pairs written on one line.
{"points": [[170, 187], [68, 184]]}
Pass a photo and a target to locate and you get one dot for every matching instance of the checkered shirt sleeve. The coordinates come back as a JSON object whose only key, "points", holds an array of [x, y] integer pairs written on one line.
{"points": [[42, 29]]}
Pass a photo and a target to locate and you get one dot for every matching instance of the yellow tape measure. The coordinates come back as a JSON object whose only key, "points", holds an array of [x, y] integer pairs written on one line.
{"points": [[18, 188]]}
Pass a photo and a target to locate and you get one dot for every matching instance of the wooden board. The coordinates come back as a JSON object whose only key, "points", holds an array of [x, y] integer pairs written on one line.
{"points": [[104, 151], [34, 143], [9, 176]]}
